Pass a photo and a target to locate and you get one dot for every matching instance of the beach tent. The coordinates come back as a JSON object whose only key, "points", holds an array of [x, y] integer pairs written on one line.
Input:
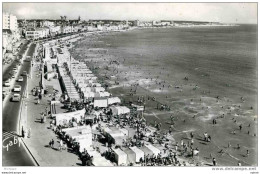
{"points": [[131, 156], [89, 94], [118, 110], [63, 118], [138, 153], [120, 156], [98, 89], [104, 94], [100, 102], [146, 150], [82, 135], [113, 100], [118, 140], [153, 149]]}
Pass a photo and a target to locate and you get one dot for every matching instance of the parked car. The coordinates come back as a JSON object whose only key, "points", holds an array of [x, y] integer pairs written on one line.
{"points": [[17, 88], [7, 83], [20, 79], [16, 97]]}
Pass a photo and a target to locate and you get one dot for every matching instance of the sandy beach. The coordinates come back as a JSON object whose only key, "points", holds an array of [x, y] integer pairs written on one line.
{"points": [[188, 105]]}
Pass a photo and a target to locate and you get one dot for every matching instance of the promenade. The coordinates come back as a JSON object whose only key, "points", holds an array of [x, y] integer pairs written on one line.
{"points": [[41, 135]]}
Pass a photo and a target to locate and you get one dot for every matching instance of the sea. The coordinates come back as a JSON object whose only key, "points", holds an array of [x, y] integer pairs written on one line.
{"points": [[221, 60]]}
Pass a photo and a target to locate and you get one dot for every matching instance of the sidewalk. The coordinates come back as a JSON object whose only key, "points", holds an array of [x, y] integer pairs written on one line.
{"points": [[40, 133]]}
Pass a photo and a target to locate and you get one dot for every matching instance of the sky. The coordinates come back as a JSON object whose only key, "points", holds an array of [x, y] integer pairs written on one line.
{"points": [[211, 12]]}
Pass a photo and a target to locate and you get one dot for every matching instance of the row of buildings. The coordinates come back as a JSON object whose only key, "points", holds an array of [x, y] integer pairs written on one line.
{"points": [[11, 34], [34, 29]]}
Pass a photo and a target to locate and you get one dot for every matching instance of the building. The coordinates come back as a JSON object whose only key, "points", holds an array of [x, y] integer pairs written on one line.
{"points": [[37, 33], [136, 23], [47, 24], [66, 29], [55, 30], [10, 22]]}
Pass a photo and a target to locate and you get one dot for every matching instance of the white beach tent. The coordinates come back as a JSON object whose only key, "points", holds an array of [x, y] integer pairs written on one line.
{"points": [[120, 156], [62, 118], [100, 102], [113, 100], [82, 134], [89, 94], [138, 153], [104, 94], [98, 89], [153, 149], [118, 110]]}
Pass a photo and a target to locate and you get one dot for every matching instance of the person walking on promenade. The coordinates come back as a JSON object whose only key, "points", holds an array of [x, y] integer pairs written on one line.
{"points": [[29, 133]]}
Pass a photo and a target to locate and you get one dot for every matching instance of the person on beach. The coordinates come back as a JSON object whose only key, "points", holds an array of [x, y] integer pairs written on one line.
{"points": [[205, 136], [52, 143], [191, 135], [240, 127], [238, 146], [247, 153], [214, 162]]}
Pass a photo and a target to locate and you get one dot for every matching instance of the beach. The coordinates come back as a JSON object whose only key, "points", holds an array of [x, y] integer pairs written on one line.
{"points": [[204, 74]]}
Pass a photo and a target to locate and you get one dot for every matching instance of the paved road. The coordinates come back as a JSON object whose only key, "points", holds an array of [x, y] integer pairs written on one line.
{"points": [[16, 155], [9, 69]]}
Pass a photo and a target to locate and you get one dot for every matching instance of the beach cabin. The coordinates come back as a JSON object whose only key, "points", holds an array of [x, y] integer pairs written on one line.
{"points": [[100, 102], [120, 156], [113, 100], [98, 89], [146, 151], [131, 157], [138, 153], [119, 110], [153, 149], [104, 94], [82, 135], [89, 94], [64, 118]]}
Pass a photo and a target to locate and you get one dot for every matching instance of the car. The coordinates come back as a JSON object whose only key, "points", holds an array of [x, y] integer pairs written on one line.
{"points": [[7, 83], [24, 73], [16, 97], [20, 79], [17, 88], [15, 69]]}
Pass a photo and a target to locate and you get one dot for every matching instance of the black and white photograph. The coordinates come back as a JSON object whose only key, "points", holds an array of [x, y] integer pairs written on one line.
{"points": [[130, 84]]}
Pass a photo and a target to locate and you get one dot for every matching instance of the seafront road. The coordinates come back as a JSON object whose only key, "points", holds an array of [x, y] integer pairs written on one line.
{"points": [[16, 154]]}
